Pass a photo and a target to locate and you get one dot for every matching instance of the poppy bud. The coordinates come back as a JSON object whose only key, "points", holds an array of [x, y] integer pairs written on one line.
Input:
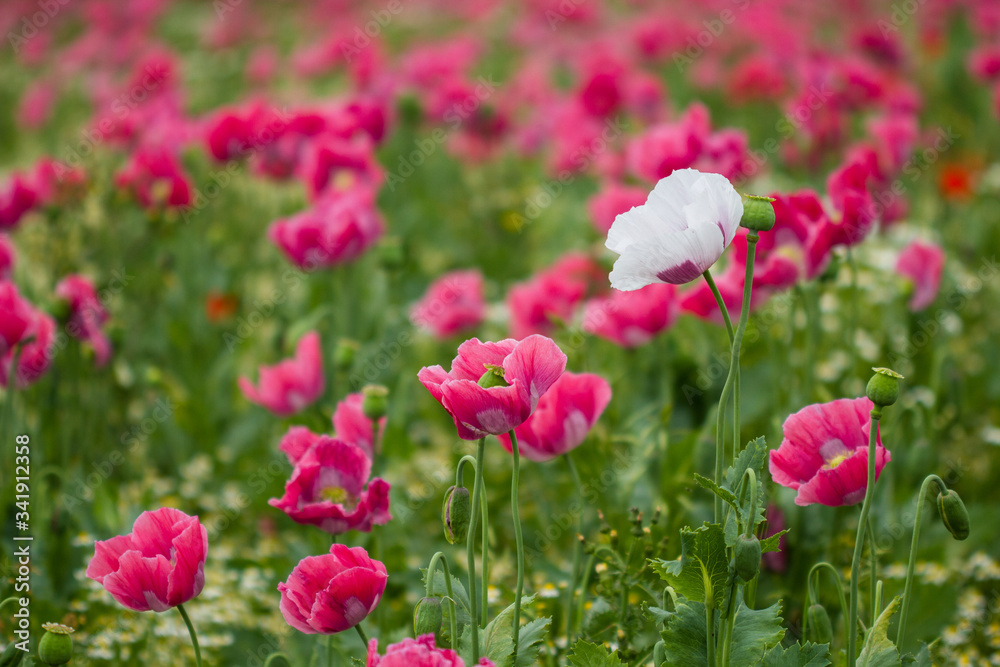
{"points": [[758, 213], [953, 514], [427, 617], [747, 557], [374, 405], [883, 388], [456, 514], [345, 352], [391, 253], [493, 377], [56, 645], [820, 628]]}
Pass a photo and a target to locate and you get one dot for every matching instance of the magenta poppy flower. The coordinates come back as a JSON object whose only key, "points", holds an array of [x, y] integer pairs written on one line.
{"points": [[334, 163], [159, 565], [156, 177], [453, 303], [334, 592], [17, 197], [551, 296], [7, 257], [563, 418], [923, 264], [529, 368], [327, 486], [351, 425], [632, 318], [290, 385], [87, 314], [15, 315], [419, 652], [824, 454], [36, 354], [611, 201]]}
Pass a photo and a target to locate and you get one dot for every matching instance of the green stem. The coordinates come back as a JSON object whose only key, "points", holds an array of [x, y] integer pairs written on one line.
{"points": [[859, 542], [908, 586], [484, 608], [329, 646], [471, 548], [873, 576], [584, 586], [194, 635], [812, 595], [710, 625], [361, 633], [722, 304], [276, 656], [518, 538], [429, 590], [577, 552]]}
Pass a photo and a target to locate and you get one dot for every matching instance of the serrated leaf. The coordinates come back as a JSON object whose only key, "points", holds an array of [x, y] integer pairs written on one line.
{"points": [[463, 615], [753, 456], [702, 570], [660, 616], [878, 650], [599, 617], [723, 493], [586, 654], [529, 642], [497, 639], [772, 543], [684, 637], [755, 631], [807, 655]]}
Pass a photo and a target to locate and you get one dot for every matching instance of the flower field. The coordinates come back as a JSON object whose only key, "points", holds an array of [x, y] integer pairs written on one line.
{"points": [[547, 332]]}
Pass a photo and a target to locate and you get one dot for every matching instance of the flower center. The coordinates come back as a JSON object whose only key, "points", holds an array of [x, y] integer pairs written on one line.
{"points": [[335, 494], [837, 460]]}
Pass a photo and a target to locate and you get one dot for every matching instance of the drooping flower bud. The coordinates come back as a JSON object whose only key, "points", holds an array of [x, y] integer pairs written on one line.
{"points": [[953, 514], [746, 554], [883, 388], [493, 377], [758, 213], [820, 628], [56, 645], [427, 617], [456, 514], [374, 405]]}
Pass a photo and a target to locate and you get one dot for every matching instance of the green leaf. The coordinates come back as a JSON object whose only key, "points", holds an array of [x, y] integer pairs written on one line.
{"points": [[684, 637], [599, 617], [772, 543], [807, 655], [755, 631], [878, 650], [702, 570], [529, 642], [660, 616], [497, 639], [586, 654], [753, 456], [463, 616], [723, 493]]}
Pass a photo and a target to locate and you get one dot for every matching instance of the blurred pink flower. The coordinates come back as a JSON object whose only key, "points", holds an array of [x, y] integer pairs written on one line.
{"points": [[156, 178], [776, 561], [923, 264], [419, 652], [612, 200], [452, 304], [334, 592], [8, 256], [351, 425], [159, 565], [984, 62], [291, 385], [335, 164], [550, 297], [563, 418], [664, 148], [36, 105], [327, 486], [631, 319], [824, 453], [17, 197], [16, 314], [87, 314], [36, 354], [529, 367]]}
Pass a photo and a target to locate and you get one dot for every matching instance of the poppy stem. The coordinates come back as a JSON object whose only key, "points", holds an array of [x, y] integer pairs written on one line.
{"points": [[194, 635], [518, 537], [361, 633], [911, 564], [859, 541], [470, 549], [440, 557], [577, 548]]}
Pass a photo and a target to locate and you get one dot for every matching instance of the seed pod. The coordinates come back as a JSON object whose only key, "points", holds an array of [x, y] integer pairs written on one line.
{"points": [[456, 514], [345, 353], [56, 645], [953, 514], [493, 377], [427, 617], [820, 628], [883, 388], [758, 213], [747, 557], [374, 403]]}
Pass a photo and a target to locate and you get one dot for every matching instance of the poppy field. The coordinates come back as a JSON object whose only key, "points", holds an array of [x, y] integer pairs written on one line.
{"points": [[576, 333]]}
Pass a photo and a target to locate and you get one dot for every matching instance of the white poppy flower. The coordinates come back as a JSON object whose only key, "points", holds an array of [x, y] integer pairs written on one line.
{"points": [[686, 223]]}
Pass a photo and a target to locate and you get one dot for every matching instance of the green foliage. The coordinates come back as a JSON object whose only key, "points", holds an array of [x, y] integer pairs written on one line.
{"points": [[755, 631], [586, 654], [497, 639], [798, 655], [702, 571], [878, 650]]}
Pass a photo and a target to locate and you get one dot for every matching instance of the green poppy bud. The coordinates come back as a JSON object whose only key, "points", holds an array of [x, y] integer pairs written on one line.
{"points": [[758, 213], [345, 352], [820, 628], [659, 653], [427, 617], [391, 252], [456, 514], [493, 377], [374, 403], [883, 388], [746, 554], [953, 514], [11, 656], [56, 646]]}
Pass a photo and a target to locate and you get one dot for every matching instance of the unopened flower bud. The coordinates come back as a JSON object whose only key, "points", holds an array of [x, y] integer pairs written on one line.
{"points": [[883, 388], [746, 554], [374, 403], [953, 514], [820, 628], [11, 656], [493, 377], [456, 514], [56, 645], [391, 253], [345, 352], [427, 617], [758, 213]]}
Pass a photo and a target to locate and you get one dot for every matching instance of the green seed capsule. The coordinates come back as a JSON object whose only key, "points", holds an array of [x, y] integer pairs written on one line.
{"points": [[953, 514], [883, 388], [747, 557], [56, 645], [456, 514], [820, 629], [758, 213], [493, 377], [427, 617], [374, 402]]}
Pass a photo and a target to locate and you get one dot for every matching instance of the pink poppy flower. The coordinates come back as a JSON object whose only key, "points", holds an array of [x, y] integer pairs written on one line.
{"points": [[923, 264], [327, 486], [665, 148], [156, 177], [334, 592], [563, 418], [631, 319], [551, 297], [453, 303], [824, 454], [337, 229], [15, 315], [351, 425], [419, 652], [87, 314], [529, 368], [36, 354], [290, 385], [333, 163], [159, 565], [7, 257], [17, 197], [613, 200]]}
